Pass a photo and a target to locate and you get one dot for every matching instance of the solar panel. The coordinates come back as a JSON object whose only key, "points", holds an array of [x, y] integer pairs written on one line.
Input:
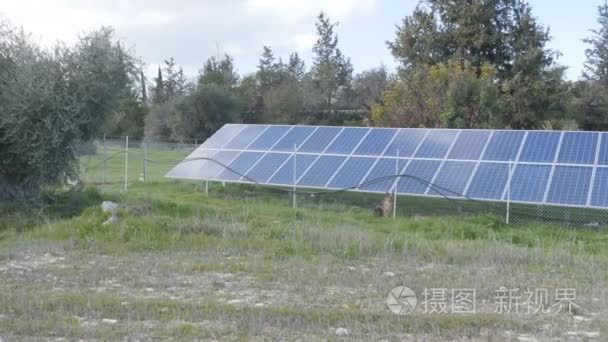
{"points": [[539, 167]]}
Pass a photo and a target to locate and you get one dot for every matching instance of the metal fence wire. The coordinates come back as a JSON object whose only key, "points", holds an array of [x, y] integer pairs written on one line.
{"points": [[123, 163]]}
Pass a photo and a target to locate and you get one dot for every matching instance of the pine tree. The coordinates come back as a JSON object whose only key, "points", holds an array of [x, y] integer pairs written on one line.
{"points": [[596, 67], [296, 67], [331, 70], [159, 89]]}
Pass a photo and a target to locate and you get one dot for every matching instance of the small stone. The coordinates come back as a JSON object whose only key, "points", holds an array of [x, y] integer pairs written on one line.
{"points": [[591, 334], [109, 207], [124, 303], [109, 321], [259, 305], [389, 274], [342, 332], [351, 268], [235, 301]]}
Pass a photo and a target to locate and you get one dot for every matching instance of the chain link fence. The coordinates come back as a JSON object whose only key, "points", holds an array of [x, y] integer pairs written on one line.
{"points": [[121, 163]]}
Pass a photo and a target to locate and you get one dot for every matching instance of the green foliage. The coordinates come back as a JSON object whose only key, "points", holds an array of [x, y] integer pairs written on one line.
{"points": [[203, 112], [49, 100], [444, 95], [219, 71], [596, 67], [501, 34], [331, 71]]}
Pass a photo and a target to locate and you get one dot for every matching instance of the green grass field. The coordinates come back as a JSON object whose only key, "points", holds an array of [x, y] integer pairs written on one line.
{"points": [[241, 264]]}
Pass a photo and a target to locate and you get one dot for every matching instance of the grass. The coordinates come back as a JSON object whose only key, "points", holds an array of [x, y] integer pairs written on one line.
{"points": [[242, 264]]}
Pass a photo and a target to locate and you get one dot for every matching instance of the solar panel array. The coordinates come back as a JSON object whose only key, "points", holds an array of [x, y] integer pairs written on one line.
{"points": [[548, 167]]}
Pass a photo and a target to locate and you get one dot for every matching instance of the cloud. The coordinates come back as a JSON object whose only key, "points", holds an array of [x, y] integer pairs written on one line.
{"points": [[188, 30]]}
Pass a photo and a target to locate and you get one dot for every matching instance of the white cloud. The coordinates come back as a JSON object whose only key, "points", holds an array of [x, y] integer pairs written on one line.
{"points": [[188, 30], [302, 41]]}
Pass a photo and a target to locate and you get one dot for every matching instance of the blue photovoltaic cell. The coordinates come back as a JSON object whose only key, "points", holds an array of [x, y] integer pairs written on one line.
{"points": [[385, 167], [529, 182], [295, 137], [469, 145], [319, 140], [245, 137], [241, 164], [419, 171], [347, 140], [603, 157], [270, 137], [578, 148], [266, 167], [285, 174], [489, 181], [599, 197], [375, 142], [453, 176], [405, 143], [214, 168], [321, 171], [540, 147], [222, 136], [504, 145], [351, 173], [570, 185], [436, 144]]}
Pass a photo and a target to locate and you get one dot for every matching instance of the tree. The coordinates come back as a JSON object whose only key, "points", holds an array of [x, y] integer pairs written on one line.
{"points": [[175, 83], [143, 85], [444, 95], [159, 88], [296, 67], [369, 86], [270, 72], [596, 66], [100, 73], [249, 99], [331, 71], [500, 33], [220, 72], [203, 112], [50, 101]]}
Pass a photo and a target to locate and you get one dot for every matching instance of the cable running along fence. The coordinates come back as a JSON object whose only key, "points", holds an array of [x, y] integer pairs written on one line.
{"points": [[124, 163]]}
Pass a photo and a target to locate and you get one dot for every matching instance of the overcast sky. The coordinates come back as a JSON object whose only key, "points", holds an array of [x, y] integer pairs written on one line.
{"points": [[193, 30]]}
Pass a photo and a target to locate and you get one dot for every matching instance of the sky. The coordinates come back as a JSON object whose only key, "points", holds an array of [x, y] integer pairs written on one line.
{"points": [[193, 30]]}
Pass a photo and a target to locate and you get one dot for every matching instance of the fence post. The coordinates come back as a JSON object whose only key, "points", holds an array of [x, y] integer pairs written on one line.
{"points": [[294, 176], [105, 160], [145, 161], [507, 218], [395, 190], [126, 161], [206, 188]]}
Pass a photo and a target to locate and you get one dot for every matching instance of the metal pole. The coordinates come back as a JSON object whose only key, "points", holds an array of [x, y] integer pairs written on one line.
{"points": [[105, 160], [294, 176], [145, 163], [206, 188], [126, 161], [395, 190], [508, 194]]}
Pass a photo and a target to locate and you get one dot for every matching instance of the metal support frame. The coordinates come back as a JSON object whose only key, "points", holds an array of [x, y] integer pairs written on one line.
{"points": [[395, 188], [295, 177], [126, 162]]}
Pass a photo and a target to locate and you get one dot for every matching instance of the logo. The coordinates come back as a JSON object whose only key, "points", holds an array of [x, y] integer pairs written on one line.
{"points": [[401, 300]]}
